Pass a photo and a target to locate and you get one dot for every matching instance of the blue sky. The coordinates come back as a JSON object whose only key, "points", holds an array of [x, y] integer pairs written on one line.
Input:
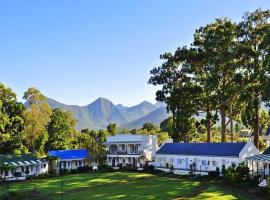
{"points": [[76, 51]]}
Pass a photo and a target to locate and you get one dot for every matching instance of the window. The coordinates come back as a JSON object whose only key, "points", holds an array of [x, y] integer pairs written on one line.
{"points": [[171, 160], [223, 162], [133, 148], [164, 159], [179, 161], [215, 163], [204, 162], [158, 160]]}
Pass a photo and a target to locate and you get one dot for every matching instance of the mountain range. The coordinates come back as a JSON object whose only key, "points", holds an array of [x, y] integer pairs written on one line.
{"points": [[101, 112]]}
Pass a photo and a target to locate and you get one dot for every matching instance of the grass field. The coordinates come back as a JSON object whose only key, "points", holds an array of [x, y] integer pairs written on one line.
{"points": [[118, 185]]}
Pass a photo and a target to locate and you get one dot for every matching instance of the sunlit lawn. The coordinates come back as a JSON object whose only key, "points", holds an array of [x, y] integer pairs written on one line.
{"points": [[118, 185], [217, 193]]}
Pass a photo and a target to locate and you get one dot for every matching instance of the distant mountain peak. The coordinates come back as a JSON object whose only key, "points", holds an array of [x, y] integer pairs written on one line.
{"points": [[101, 100], [145, 103], [102, 111]]}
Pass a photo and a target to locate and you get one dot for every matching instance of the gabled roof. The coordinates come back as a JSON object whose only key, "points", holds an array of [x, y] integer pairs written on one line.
{"points": [[18, 159], [206, 149], [70, 154], [125, 138], [259, 157]]}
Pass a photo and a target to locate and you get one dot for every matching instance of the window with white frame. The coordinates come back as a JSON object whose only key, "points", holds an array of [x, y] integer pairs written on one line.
{"points": [[164, 159], [223, 162], [204, 162], [214, 163], [179, 161]]}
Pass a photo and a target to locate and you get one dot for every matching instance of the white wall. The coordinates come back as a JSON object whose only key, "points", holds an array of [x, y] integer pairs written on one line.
{"points": [[248, 150], [147, 144], [204, 163], [34, 169]]}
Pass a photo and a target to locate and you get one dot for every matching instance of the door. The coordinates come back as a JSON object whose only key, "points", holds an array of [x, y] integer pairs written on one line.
{"points": [[113, 162], [134, 162], [187, 163]]}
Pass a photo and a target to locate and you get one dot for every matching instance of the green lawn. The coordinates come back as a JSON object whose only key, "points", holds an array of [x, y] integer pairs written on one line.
{"points": [[119, 185]]}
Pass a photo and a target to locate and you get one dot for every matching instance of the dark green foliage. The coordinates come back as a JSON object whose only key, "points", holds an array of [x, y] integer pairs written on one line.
{"points": [[213, 174], [63, 171], [11, 122], [84, 169], [225, 70], [237, 174], [112, 128], [61, 130], [223, 170]]}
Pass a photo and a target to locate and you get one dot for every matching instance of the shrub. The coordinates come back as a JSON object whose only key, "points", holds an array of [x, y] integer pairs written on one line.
{"points": [[17, 174], [149, 168], [223, 170], [172, 168], [27, 171], [84, 169], [218, 170], [167, 165], [237, 174], [213, 174], [192, 168], [268, 183], [52, 173], [158, 171], [73, 171], [63, 171]]}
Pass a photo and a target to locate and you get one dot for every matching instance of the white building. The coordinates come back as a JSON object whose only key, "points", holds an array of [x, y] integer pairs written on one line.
{"points": [[71, 159], [130, 150], [203, 156], [14, 167], [260, 163]]}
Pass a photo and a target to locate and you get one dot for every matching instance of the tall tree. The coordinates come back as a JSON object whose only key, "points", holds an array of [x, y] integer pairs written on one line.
{"points": [[11, 122], [217, 44], [254, 28], [61, 130], [167, 126], [179, 91], [112, 128], [37, 117], [149, 126]]}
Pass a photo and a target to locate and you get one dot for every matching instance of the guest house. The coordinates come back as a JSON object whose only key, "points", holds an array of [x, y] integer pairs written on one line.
{"points": [[203, 157], [70, 159], [18, 167], [127, 150]]}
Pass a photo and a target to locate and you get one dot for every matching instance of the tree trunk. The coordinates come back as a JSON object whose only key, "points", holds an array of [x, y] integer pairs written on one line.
{"points": [[223, 124], [209, 133], [231, 120], [256, 123], [208, 125], [174, 126]]}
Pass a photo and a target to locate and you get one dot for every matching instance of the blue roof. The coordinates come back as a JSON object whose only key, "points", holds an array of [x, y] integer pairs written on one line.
{"points": [[70, 154], [206, 149], [267, 132]]}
